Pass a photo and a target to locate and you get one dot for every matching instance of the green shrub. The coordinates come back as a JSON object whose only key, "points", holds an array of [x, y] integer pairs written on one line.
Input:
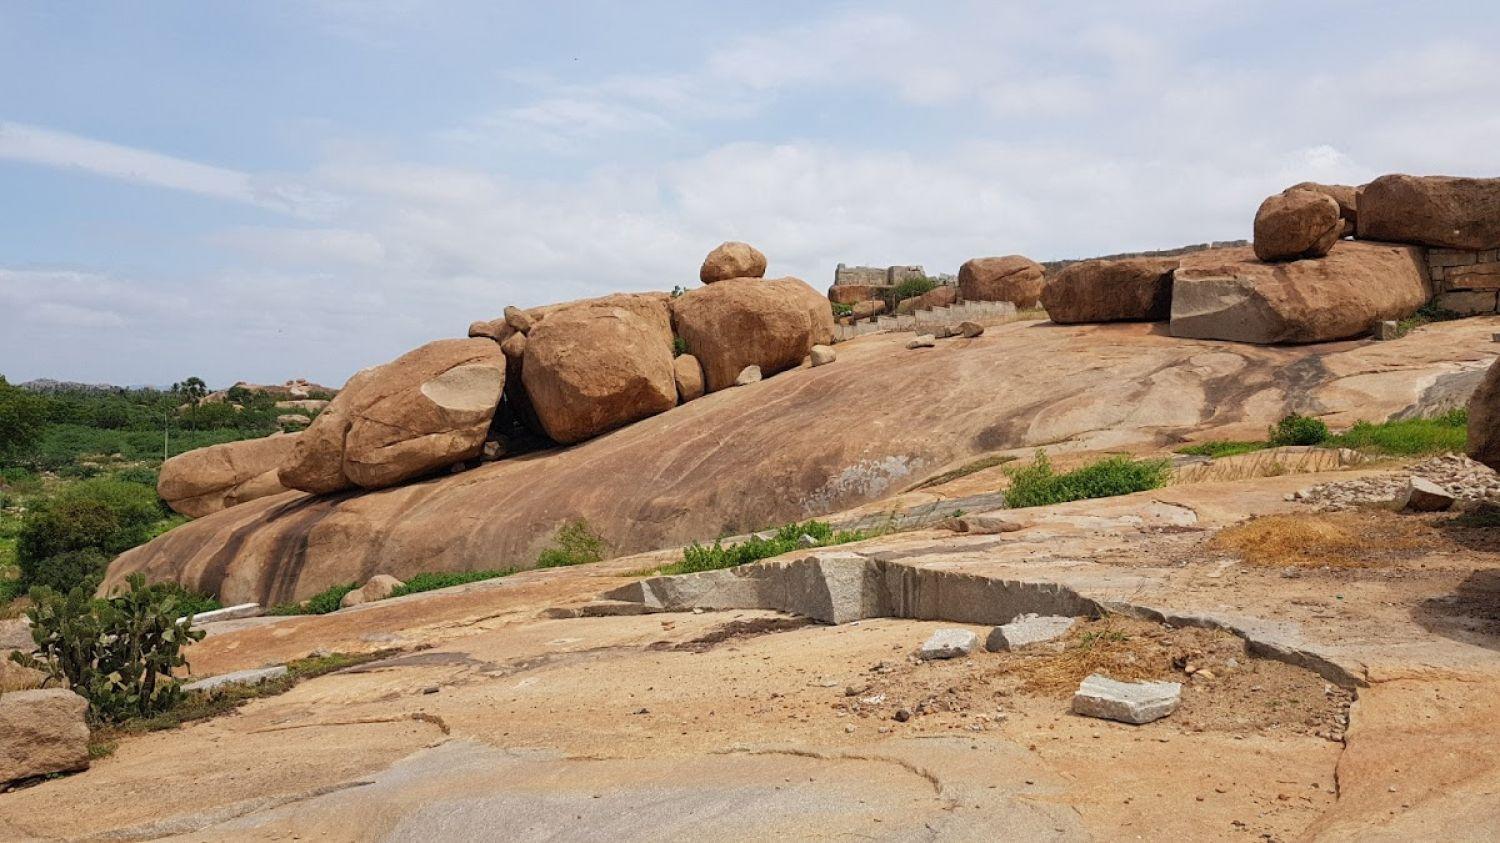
{"points": [[119, 654], [1038, 485], [1297, 429], [1408, 437], [1222, 448], [679, 346], [1426, 314], [138, 474], [574, 544], [68, 570], [106, 515], [697, 557], [445, 579], [321, 603], [912, 287], [23, 419], [188, 602], [840, 309]]}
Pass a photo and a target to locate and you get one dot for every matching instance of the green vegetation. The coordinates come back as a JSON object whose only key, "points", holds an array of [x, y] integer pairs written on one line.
{"points": [[679, 346], [1408, 437], [912, 287], [23, 419], [697, 557], [574, 544], [446, 579], [66, 541], [1038, 485], [840, 309], [1297, 429], [119, 653], [321, 603], [1222, 448], [1426, 314]]}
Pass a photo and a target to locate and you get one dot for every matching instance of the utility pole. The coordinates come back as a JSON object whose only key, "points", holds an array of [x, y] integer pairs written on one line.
{"points": [[166, 419]]}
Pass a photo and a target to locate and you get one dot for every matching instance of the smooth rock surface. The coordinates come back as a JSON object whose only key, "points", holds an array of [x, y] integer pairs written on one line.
{"points": [[948, 644], [1027, 629], [1127, 702], [42, 732]]}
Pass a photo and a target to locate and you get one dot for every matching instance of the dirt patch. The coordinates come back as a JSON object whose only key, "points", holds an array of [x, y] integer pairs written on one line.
{"points": [[1332, 539], [1224, 688]]}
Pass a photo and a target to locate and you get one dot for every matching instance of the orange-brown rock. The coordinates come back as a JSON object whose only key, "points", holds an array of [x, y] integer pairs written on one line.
{"points": [[689, 377], [939, 296], [855, 293], [595, 367], [1457, 213], [1297, 224], [749, 322], [868, 309], [1111, 290], [206, 480], [732, 260], [1012, 278], [425, 410], [1484, 419], [1227, 294], [42, 732], [1345, 195]]}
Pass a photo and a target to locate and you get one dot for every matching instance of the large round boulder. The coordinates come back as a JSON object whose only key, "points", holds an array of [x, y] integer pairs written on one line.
{"points": [[1443, 211], [732, 260], [1227, 294], [1013, 278], [423, 411], [748, 322], [1297, 224], [595, 367], [1484, 419], [855, 293], [1345, 195], [1111, 290], [209, 479]]}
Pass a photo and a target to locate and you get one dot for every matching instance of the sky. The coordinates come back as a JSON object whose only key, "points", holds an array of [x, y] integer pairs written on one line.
{"points": [[267, 190]]}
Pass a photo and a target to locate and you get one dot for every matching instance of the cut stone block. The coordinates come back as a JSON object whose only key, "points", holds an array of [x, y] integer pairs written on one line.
{"points": [[1467, 302], [1422, 495], [1387, 330], [1127, 702], [1027, 629], [948, 644], [228, 613], [252, 676]]}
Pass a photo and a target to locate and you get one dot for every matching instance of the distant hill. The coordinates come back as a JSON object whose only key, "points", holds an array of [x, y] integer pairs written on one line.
{"points": [[49, 385]]}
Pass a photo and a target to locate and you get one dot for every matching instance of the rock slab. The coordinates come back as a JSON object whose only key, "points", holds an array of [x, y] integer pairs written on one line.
{"points": [[1027, 629], [1444, 211], [251, 676], [1127, 702], [42, 732], [1423, 495], [1111, 290], [948, 644]]}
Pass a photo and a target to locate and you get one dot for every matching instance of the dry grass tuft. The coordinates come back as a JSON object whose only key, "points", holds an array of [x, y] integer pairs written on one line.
{"points": [[1315, 540], [1118, 648]]}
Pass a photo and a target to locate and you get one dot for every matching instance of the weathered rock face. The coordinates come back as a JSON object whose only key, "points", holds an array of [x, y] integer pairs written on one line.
{"points": [[1227, 294], [1345, 195], [42, 732], [1297, 224], [732, 260], [1012, 278], [868, 309], [940, 296], [854, 293], [1124, 290], [593, 368], [689, 376], [425, 410], [1458, 213], [209, 479], [747, 322], [1484, 419]]}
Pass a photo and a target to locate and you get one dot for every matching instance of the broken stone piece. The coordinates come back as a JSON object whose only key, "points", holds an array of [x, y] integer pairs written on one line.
{"points": [[822, 355], [922, 341], [253, 676], [948, 644], [1027, 629], [1422, 495], [747, 376], [1127, 702]]}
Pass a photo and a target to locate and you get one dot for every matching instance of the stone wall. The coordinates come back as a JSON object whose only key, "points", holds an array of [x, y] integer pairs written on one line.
{"points": [[874, 275], [1466, 282]]}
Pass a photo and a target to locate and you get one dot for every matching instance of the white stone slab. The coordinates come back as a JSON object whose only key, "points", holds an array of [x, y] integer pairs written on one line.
{"points": [[1127, 702], [253, 676], [948, 644]]}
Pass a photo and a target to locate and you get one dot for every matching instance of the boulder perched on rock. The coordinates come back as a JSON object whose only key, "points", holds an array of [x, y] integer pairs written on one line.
{"points": [[596, 367], [1226, 294], [1345, 195], [1457, 213], [425, 410], [748, 322], [378, 587], [688, 374], [822, 355], [1012, 278], [732, 260], [1111, 290], [1484, 419], [42, 732], [855, 293], [1297, 224], [209, 479], [942, 295], [868, 309]]}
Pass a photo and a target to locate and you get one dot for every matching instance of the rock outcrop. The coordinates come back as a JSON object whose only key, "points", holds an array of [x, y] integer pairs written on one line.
{"points": [[1484, 420], [1227, 294], [1457, 213], [689, 377], [1123, 290], [595, 367], [1345, 195], [423, 411], [854, 293], [732, 260], [206, 480], [42, 732], [1012, 278], [1297, 224], [749, 322]]}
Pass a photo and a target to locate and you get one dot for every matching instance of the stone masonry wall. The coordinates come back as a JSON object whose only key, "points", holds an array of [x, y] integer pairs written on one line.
{"points": [[875, 275], [1466, 282]]}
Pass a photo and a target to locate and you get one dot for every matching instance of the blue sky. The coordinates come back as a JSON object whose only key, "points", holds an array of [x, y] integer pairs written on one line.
{"points": [[275, 189]]}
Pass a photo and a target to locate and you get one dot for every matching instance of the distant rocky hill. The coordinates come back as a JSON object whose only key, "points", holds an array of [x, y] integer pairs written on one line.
{"points": [[48, 385]]}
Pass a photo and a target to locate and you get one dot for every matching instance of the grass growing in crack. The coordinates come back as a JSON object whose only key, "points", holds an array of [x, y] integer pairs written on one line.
{"points": [[321, 603], [202, 705], [697, 557], [1038, 485], [1426, 314], [447, 579], [1217, 448], [964, 471]]}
